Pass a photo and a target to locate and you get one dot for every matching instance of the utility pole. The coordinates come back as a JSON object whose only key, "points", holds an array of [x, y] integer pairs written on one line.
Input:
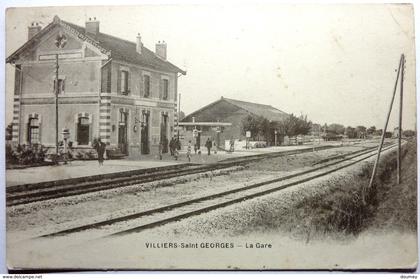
{"points": [[375, 166], [56, 104], [400, 121], [179, 114]]}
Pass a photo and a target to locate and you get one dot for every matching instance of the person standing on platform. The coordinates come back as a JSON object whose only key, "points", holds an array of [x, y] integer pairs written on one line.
{"points": [[100, 148], [232, 145], [172, 146], [214, 147], [189, 151], [208, 145], [160, 149]]}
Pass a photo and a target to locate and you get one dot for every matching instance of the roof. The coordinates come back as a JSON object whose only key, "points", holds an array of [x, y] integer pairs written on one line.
{"points": [[116, 48], [266, 111]]}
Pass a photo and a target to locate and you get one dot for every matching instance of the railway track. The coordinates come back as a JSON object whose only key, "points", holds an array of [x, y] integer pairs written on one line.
{"points": [[136, 222], [28, 193]]}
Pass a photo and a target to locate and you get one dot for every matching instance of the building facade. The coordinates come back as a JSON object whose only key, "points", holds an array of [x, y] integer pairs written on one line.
{"points": [[108, 88]]}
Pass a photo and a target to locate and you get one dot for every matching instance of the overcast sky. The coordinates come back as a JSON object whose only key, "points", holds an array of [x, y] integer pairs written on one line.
{"points": [[335, 63]]}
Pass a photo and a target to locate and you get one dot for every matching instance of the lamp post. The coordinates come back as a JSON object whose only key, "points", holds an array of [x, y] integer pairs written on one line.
{"points": [[60, 42], [275, 137], [66, 135]]}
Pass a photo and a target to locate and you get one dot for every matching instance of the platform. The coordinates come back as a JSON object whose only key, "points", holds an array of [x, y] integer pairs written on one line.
{"points": [[78, 169]]}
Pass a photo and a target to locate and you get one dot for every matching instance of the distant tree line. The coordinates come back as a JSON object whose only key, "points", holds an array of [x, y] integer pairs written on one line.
{"points": [[353, 132]]}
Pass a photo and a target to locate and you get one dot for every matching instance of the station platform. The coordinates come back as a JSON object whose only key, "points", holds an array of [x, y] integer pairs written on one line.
{"points": [[78, 169]]}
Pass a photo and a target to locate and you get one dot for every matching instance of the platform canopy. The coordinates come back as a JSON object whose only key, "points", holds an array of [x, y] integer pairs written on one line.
{"points": [[210, 124]]}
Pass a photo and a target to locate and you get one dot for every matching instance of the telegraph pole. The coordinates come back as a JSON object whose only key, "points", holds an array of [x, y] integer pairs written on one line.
{"points": [[179, 115], [375, 166], [400, 121], [56, 104]]}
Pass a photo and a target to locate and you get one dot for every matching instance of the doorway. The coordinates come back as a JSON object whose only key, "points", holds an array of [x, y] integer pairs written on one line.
{"points": [[145, 133], [122, 132], [164, 133]]}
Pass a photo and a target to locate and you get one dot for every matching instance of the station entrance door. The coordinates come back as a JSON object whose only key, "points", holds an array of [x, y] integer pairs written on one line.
{"points": [[145, 134], [122, 133]]}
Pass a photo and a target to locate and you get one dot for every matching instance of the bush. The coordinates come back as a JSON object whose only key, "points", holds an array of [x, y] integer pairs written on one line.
{"points": [[25, 154]]}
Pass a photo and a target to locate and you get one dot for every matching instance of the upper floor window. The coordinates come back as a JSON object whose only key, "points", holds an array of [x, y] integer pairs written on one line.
{"points": [[123, 117], [124, 77], [146, 81], [60, 86], [33, 131], [165, 89]]}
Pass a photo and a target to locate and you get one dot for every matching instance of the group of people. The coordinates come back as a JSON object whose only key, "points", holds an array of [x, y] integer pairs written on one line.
{"points": [[174, 146], [209, 145]]}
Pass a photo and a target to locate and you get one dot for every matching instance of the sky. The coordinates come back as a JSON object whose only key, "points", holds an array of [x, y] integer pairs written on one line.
{"points": [[333, 63]]}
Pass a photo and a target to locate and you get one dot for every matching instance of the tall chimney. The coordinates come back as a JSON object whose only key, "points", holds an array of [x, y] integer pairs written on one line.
{"points": [[139, 44], [92, 27], [161, 49], [33, 29]]}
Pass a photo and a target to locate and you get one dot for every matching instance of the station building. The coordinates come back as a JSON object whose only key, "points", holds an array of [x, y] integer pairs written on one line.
{"points": [[221, 120], [108, 88]]}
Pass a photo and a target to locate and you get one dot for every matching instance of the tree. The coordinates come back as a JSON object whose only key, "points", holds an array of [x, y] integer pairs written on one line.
{"points": [[371, 130], [263, 129], [293, 126], [337, 129], [316, 129], [409, 133], [361, 131], [378, 132], [257, 125], [351, 132]]}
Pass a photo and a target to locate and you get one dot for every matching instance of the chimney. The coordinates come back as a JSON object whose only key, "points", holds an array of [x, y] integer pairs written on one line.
{"points": [[139, 44], [92, 27], [33, 29], [161, 49]]}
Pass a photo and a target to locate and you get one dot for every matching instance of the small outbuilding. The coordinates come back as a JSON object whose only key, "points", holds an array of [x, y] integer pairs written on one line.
{"points": [[227, 111]]}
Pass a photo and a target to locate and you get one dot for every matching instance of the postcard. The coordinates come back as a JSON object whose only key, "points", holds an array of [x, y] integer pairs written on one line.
{"points": [[211, 137]]}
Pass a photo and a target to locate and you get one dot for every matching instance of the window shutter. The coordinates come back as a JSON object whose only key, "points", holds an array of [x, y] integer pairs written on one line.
{"points": [[128, 83], [54, 90], [160, 88], [109, 80], [141, 82], [165, 89], [63, 85], [119, 82]]}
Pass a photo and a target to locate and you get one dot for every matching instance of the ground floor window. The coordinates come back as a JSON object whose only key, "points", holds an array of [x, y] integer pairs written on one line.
{"points": [[33, 131], [83, 131]]}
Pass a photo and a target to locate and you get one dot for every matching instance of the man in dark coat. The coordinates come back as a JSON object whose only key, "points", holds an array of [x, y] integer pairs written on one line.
{"points": [[209, 145], [100, 148], [172, 146]]}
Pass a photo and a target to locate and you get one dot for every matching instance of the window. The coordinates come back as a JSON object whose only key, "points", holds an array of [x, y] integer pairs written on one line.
{"points": [[146, 86], [33, 131], [83, 131], [60, 85], [124, 82], [123, 117], [165, 89]]}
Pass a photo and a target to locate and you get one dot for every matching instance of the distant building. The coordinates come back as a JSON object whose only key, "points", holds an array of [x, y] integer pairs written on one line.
{"points": [[230, 111], [109, 88]]}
